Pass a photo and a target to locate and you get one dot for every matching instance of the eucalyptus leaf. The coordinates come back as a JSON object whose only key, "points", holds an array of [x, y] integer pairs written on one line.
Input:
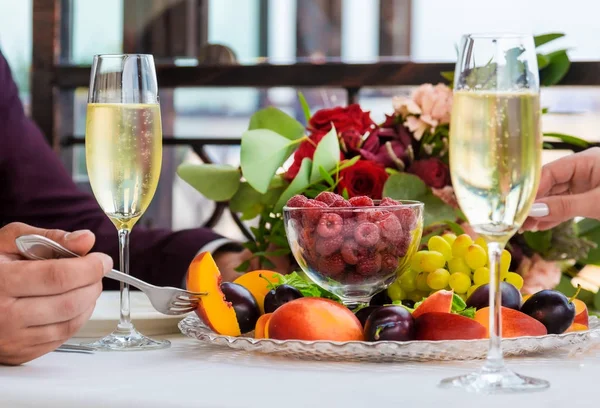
{"points": [[245, 198], [305, 107], [404, 186], [218, 182], [542, 39], [278, 121], [539, 241], [575, 141], [326, 176], [558, 67], [435, 210], [298, 185], [542, 61], [327, 155], [262, 153], [587, 225]]}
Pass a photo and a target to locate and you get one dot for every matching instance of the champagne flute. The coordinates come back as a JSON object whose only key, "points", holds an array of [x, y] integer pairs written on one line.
{"points": [[123, 146], [495, 165]]}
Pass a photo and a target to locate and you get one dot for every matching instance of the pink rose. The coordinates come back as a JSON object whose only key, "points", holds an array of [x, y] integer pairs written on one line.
{"points": [[538, 274], [428, 107]]}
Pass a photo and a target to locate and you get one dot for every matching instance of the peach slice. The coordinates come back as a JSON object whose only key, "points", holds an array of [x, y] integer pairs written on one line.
{"points": [[203, 275], [440, 301], [448, 326], [260, 331], [576, 327], [514, 323], [257, 282], [581, 321], [312, 318]]}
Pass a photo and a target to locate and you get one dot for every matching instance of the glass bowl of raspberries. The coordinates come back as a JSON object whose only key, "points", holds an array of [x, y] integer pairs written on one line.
{"points": [[353, 248]]}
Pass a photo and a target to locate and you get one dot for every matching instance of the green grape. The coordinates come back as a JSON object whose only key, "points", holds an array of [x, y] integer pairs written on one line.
{"points": [[440, 245], [475, 257], [471, 290], [422, 282], [438, 279], [431, 260], [407, 281], [458, 265], [463, 296], [481, 276], [481, 242], [460, 282], [395, 292], [514, 279], [449, 237], [505, 259], [461, 244], [415, 261], [418, 296]]}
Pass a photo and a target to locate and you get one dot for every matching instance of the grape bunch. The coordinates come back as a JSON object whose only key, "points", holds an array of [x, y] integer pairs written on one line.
{"points": [[451, 263]]}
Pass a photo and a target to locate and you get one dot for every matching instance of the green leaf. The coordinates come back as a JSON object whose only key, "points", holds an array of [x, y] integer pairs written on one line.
{"points": [[436, 210], [468, 312], [557, 68], [262, 153], [575, 141], [278, 121], [590, 229], [218, 182], [597, 300], [542, 61], [305, 107], [348, 163], [458, 304], [566, 288], [539, 241], [542, 39], [449, 76], [586, 225], [308, 289], [297, 186], [245, 198], [327, 155], [326, 176]]}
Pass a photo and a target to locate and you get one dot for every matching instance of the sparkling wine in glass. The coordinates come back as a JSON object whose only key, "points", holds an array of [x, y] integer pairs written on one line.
{"points": [[495, 164], [123, 145]]}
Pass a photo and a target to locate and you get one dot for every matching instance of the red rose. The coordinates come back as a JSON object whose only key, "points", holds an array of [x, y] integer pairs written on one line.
{"points": [[363, 178], [432, 171], [344, 119]]}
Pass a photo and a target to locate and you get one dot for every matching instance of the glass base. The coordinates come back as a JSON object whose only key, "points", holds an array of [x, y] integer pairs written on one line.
{"points": [[495, 381], [128, 340]]}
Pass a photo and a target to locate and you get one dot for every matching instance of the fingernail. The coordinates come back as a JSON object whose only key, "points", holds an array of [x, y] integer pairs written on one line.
{"points": [[539, 210], [107, 261], [76, 234]]}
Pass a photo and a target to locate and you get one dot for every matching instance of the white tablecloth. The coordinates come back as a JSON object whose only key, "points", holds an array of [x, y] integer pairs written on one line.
{"points": [[191, 374]]}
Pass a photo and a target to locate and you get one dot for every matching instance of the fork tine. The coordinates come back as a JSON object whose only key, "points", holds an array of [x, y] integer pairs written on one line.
{"points": [[181, 311], [186, 297], [183, 304]]}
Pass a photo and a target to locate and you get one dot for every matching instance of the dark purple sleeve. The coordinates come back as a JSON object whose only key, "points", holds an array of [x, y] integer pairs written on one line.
{"points": [[36, 189]]}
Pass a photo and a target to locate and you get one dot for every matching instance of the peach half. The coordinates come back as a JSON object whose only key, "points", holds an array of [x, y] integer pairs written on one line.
{"points": [[448, 326], [203, 275], [440, 301], [514, 323]]}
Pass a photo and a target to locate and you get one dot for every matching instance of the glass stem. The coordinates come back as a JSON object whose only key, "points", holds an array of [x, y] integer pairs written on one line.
{"points": [[125, 316], [495, 360]]}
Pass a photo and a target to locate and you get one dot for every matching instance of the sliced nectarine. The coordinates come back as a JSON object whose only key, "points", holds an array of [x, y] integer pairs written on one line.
{"points": [[448, 326], [440, 301], [203, 275], [257, 282], [312, 318], [514, 323], [581, 312], [261, 326], [576, 327]]}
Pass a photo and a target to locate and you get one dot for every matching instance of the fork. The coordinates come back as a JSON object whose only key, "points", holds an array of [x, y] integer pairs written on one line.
{"points": [[166, 300]]}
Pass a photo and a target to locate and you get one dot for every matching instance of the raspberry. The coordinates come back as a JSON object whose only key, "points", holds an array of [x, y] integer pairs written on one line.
{"points": [[390, 228], [375, 216], [330, 225], [297, 201], [367, 234], [332, 265], [312, 214], [349, 227], [388, 202], [306, 238], [354, 278], [389, 263], [328, 197], [350, 252], [342, 203], [400, 248], [327, 246], [407, 218], [361, 201], [369, 265]]}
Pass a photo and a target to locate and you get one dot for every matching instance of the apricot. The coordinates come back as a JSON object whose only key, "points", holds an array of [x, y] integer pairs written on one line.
{"points": [[257, 282], [514, 323], [448, 326], [311, 318], [440, 301], [581, 321], [260, 331], [203, 275]]}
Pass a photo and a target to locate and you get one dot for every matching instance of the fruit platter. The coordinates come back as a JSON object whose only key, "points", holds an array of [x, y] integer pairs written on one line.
{"points": [[366, 291]]}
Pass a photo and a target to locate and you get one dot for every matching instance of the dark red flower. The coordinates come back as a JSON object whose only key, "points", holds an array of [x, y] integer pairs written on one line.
{"points": [[349, 118], [433, 172], [364, 178]]}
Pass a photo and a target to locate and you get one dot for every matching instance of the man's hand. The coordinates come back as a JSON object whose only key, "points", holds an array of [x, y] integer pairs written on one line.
{"points": [[44, 303], [570, 187]]}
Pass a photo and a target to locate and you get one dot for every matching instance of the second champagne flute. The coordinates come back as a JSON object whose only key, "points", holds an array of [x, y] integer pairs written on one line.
{"points": [[495, 164], [123, 145]]}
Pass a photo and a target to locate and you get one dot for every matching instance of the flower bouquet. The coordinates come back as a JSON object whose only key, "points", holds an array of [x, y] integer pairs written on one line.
{"points": [[342, 150]]}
